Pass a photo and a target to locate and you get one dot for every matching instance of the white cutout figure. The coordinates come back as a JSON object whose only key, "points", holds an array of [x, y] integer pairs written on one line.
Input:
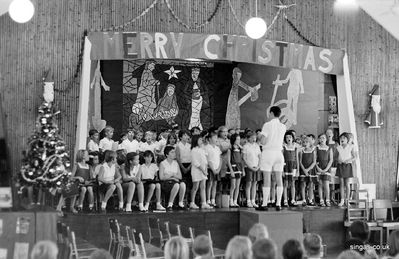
{"points": [[295, 87], [172, 72]]}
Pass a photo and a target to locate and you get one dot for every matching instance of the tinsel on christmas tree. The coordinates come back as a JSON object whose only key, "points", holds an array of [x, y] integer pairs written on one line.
{"points": [[46, 163]]}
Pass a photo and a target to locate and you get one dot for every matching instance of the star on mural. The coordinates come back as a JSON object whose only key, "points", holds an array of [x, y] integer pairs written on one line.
{"points": [[172, 72]]}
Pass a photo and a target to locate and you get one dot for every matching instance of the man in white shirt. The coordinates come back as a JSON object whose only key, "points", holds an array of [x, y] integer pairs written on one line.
{"points": [[130, 144], [272, 159]]}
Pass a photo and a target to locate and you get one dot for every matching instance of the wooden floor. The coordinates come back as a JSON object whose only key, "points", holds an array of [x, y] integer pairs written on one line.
{"points": [[223, 223]]}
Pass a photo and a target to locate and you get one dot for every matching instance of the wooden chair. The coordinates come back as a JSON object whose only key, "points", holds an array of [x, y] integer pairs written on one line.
{"points": [[81, 253], [172, 229], [154, 231], [383, 215], [145, 250], [118, 242], [359, 210], [355, 189]]}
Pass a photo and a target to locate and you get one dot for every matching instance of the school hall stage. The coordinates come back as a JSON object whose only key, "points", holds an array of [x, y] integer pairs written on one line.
{"points": [[224, 224]]}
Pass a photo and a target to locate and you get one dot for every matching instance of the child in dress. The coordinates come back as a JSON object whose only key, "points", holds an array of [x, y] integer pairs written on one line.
{"points": [[106, 177], [92, 146], [183, 156], [346, 155], [107, 143], [171, 178], [251, 156], [225, 146], [82, 173], [214, 165], [323, 167], [149, 172], [199, 171], [307, 158], [290, 152], [236, 165], [131, 177]]}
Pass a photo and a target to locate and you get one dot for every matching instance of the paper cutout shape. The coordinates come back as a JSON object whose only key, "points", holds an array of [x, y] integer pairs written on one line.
{"points": [[22, 225], [21, 250], [172, 72]]}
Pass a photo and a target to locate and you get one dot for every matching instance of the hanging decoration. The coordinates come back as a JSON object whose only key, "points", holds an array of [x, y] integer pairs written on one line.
{"points": [[207, 21], [21, 11], [296, 30], [98, 82], [373, 117]]}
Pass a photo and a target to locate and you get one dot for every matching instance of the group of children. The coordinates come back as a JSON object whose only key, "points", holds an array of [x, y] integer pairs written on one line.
{"points": [[200, 161]]}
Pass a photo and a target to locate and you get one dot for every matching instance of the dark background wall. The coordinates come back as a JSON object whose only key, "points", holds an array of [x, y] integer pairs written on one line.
{"points": [[52, 39]]}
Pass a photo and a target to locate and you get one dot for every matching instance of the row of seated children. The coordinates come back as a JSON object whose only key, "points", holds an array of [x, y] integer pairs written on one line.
{"points": [[207, 160]]}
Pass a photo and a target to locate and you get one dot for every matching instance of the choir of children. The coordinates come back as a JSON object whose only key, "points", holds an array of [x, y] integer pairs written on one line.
{"points": [[202, 161]]}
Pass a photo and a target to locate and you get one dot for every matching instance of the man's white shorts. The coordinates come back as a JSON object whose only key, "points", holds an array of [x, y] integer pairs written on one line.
{"points": [[272, 161]]}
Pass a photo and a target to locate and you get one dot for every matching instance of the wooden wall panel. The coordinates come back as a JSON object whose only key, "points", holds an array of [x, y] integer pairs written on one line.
{"points": [[52, 39]]}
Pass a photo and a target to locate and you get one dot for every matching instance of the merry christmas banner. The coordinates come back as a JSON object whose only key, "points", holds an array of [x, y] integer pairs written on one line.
{"points": [[238, 48]]}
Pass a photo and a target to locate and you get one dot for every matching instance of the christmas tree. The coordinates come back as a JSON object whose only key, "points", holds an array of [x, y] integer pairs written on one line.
{"points": [[46, 162]]}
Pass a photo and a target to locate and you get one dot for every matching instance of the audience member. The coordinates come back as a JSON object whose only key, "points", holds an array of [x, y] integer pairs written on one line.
{"points": [[264, 248], [239, 247], [393, 244], [176, 248], [349, 254], [292, 249], [202, 247], [313, 246], [100, 254], [44, 249], [258, 231]]}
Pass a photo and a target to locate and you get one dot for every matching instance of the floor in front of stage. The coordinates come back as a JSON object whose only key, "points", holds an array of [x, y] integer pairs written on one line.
{"points": [[223, 223]]}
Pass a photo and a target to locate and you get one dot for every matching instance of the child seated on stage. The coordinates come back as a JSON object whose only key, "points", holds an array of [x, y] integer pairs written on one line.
{"points": [[346, 155], [92, 146], [94, 162], [106, 177], [149, 144], [148, 172], [199, 172], [131, 177], [214, 165], [251, 156], [290, 152], [107, 143], [82, 173], [323, 166], [236, 166], [171, 178], [308, 177], [172, 140]]}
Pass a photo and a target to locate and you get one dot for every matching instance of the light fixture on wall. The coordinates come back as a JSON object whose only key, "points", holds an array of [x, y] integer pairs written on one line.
{"points": [[255, 27], [346, 5], [21, 11]]}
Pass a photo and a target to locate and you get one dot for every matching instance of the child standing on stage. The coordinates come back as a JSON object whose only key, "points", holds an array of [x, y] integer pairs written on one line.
{"points": [[323, 166], [148, 176], [290, 152], [107, 143], [236, 164], [225, 146], [183, 157], [92, 146], [346, 155], [308, 178], [199, 171], [214, 164], [251, 155], [333, 145]]}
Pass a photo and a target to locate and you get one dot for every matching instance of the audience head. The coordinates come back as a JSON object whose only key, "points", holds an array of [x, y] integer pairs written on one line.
{"points": [[292, 249], [202, 246], [288, 137], [196, 141], [93, 134], [100, 254], [82, 155], [393, 243], [176, 248], [109, 156], [313, 245], [222, 131], [360, 230], [258, 231], [148, 156], [169, 152], [195, 131], [44, 250], [276, 111], [239, 247], [184, 135], [264, 248], [349, 254], [109, 131]]}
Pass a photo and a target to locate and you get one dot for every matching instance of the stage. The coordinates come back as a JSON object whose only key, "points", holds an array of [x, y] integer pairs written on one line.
{"points": [[224, 224]]}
